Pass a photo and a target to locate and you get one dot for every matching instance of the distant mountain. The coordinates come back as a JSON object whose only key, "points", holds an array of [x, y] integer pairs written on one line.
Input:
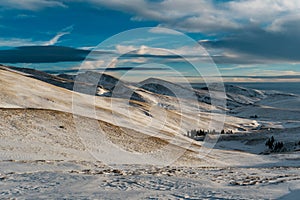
{"points": [[95, 83]]}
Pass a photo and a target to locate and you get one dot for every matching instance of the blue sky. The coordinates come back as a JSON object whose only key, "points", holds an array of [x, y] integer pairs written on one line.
{"points": [[249, 37]]}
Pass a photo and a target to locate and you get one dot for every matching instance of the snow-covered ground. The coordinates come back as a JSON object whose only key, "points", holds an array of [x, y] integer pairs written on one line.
{"points": [[92, 180], [56, 143]]}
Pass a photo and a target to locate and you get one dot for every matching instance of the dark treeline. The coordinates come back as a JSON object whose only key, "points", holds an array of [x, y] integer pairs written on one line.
{"points": [[201, 132], [274, 146]]}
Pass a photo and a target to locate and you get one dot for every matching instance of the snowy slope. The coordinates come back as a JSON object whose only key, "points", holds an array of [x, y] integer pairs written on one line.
{"points": [[64, 144]]}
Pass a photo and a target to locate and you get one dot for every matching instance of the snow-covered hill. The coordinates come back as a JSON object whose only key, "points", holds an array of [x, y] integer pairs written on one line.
{"points": [[49, 130]]}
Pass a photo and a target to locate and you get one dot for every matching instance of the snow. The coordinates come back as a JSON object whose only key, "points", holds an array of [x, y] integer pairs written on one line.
{"points": [[56, 143], [61, 179]]}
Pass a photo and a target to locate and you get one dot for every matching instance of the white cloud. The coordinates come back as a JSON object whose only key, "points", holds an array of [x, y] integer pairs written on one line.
{"points": [[17, 42], [92, 64], [261, 31], [263, 10], [121, 49], [275, 72], [238, 67], [205, 15], [97, 64], [189, 16], [193, 16], [146, 50], [142, 50], [30, 4], [56, 38], [161, 30]]}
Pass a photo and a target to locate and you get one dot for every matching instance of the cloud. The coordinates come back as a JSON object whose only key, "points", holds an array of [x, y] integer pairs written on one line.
{"points": [[42, 54], [148, 51], [18, 42], [205, 15], [263, 11], [92, 64], [15, 42], [193, 16], [280, 74], [285, 24], [249, 31], [30, 4], [135, 69], [161, 30], [93, 59], [142, 50], [56, 38], [255, 45], [270, 74]]}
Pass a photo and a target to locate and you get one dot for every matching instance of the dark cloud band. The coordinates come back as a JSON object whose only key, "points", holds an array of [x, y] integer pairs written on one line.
{"points": [[42, 54]]}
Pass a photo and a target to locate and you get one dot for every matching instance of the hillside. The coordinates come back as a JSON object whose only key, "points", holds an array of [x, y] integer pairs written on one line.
{"points": [[118, 132]]}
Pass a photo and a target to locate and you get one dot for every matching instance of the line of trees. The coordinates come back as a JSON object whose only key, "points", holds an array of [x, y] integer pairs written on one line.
{"points": [[201, 132], [274, 146]]}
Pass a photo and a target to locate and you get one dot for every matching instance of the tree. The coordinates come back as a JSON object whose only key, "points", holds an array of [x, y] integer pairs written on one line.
{"points": [[278, 146], [270, 142], [272, 139]]}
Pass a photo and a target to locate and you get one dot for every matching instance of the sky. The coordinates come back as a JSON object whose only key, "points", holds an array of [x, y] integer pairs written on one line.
{"points": [[242, 38]]}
